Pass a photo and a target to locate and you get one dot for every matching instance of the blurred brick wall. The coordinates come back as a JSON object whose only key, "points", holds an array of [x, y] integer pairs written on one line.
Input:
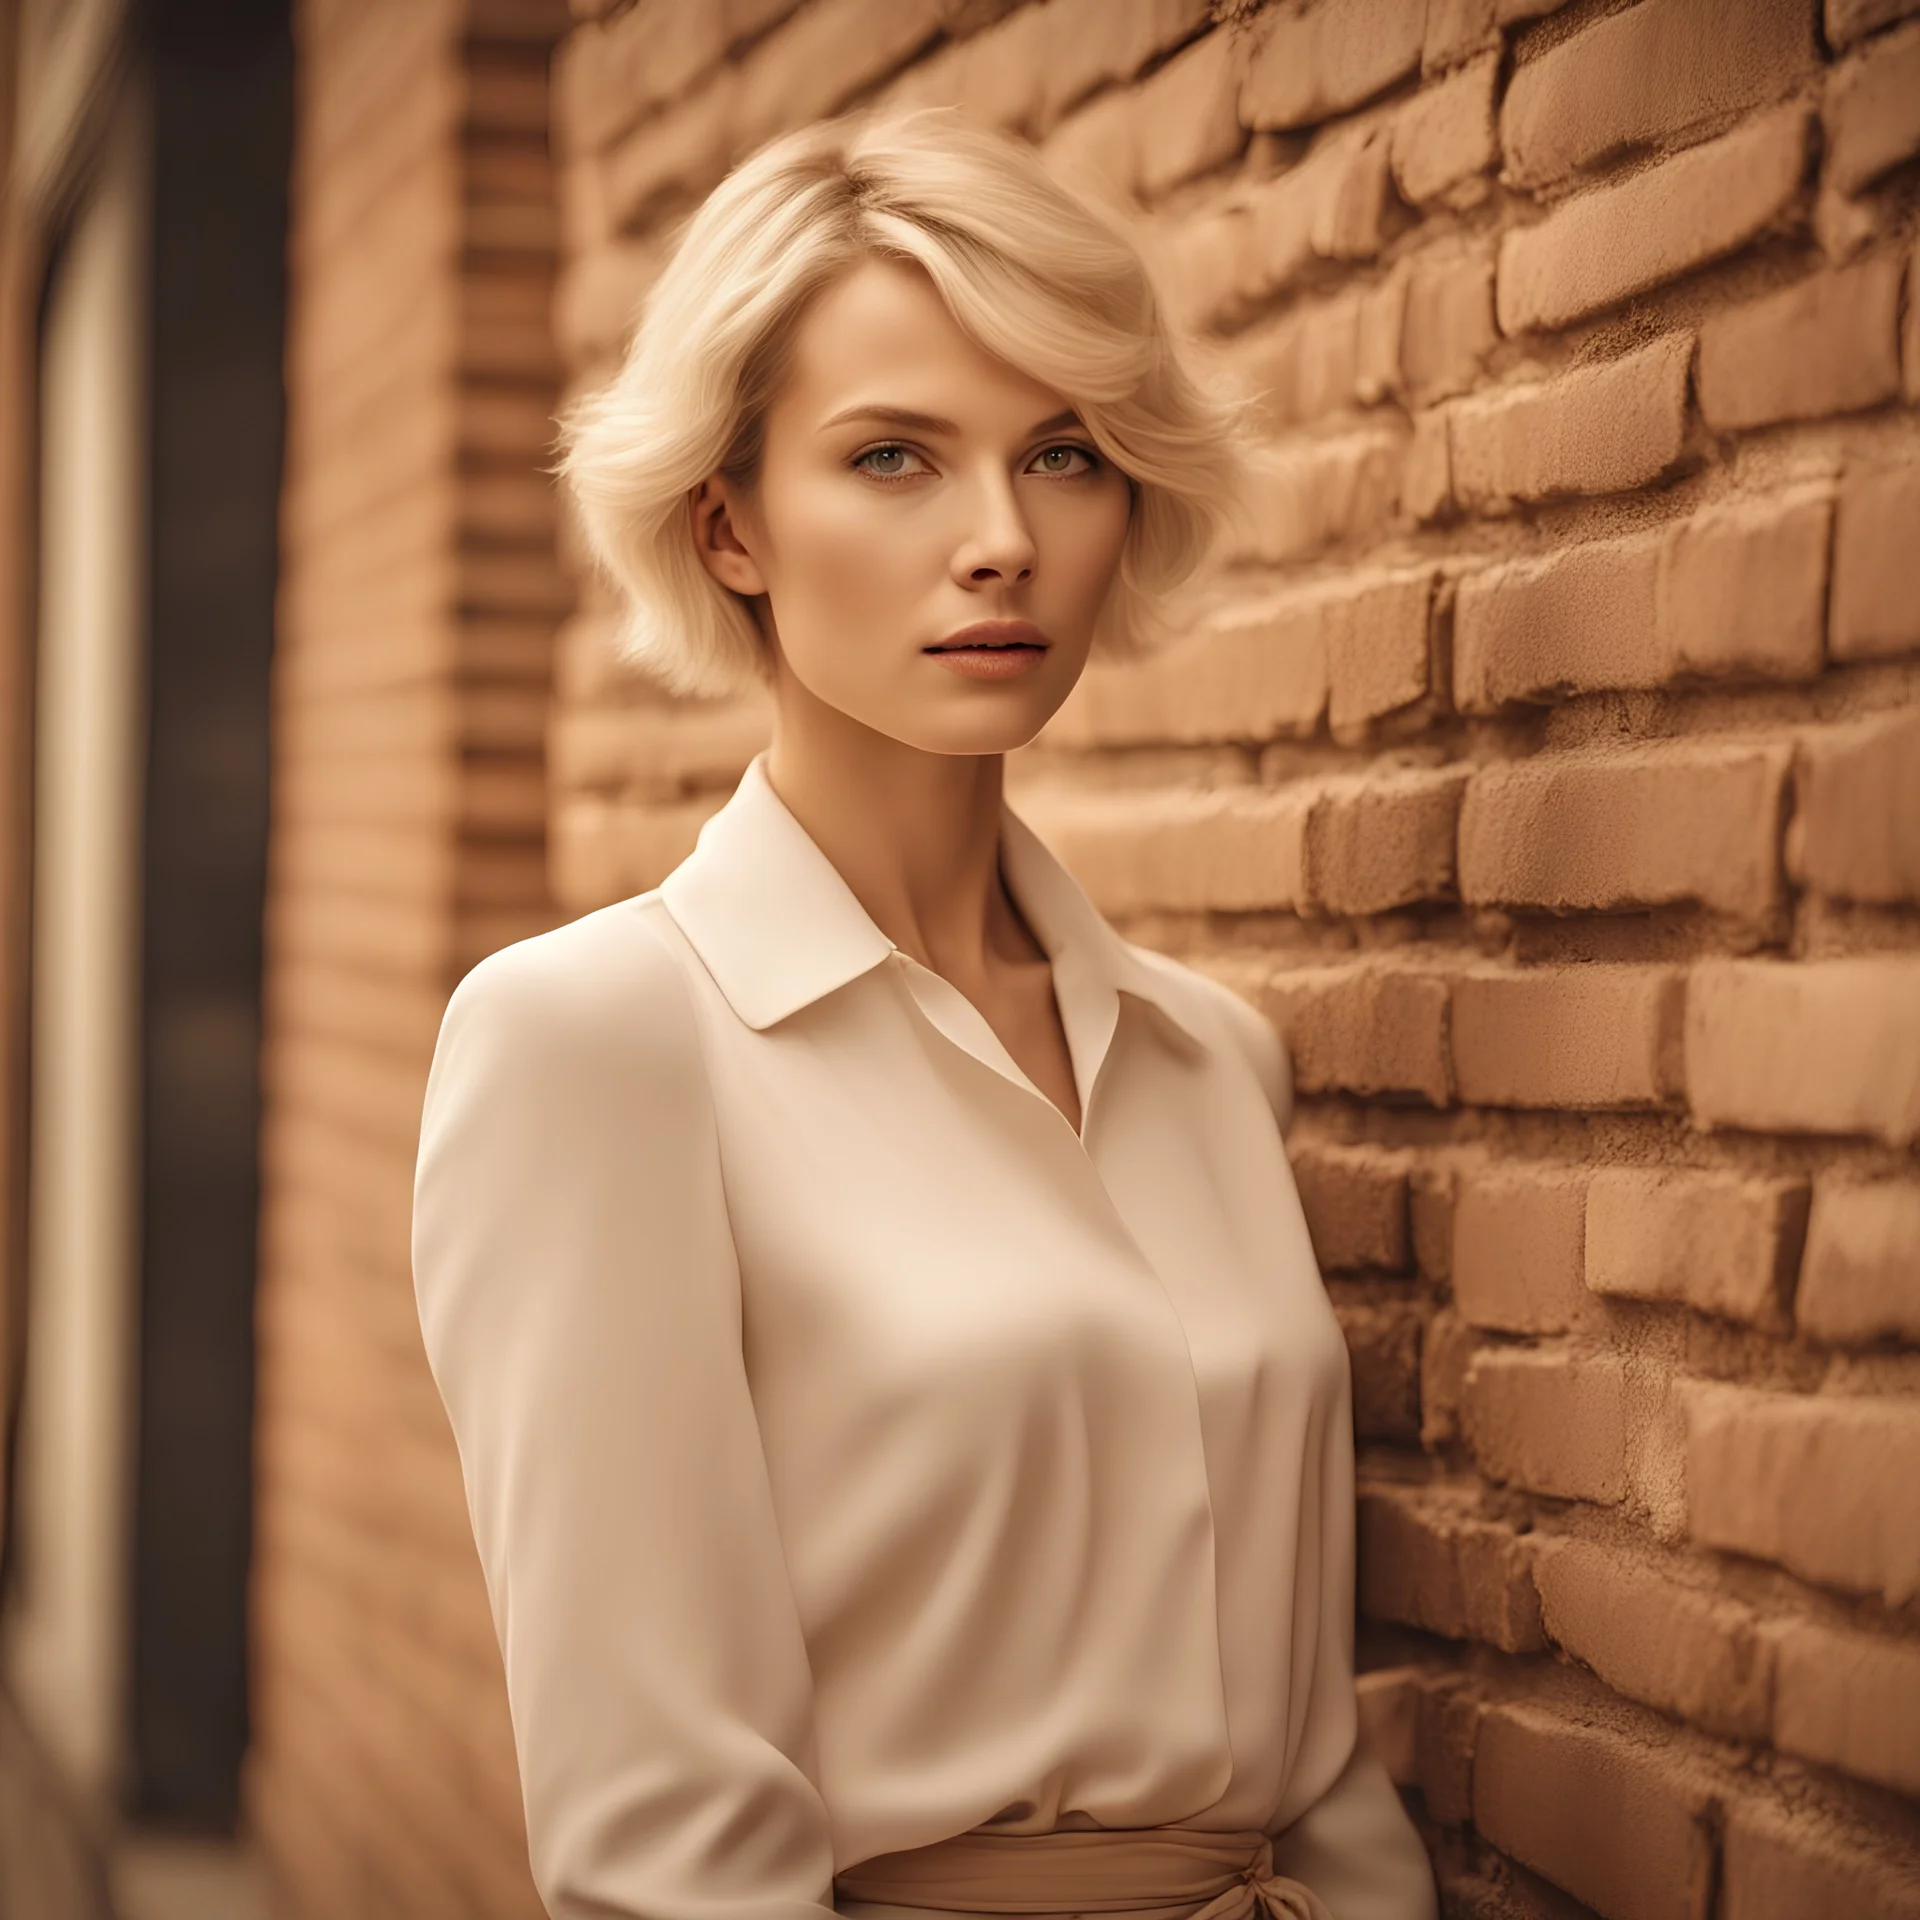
{"points": [[419, 597], [1548, 765]]}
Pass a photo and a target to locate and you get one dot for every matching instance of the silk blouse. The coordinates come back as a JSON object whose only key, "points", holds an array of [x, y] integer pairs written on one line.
{"points": [[859, 1454]]}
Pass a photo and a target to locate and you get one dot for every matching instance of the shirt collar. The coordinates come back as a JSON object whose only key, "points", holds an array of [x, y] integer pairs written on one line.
{"points": [[778, 928]]}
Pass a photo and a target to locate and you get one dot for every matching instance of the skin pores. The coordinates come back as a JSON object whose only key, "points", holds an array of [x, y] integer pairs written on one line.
{"points": [[912, 486]]}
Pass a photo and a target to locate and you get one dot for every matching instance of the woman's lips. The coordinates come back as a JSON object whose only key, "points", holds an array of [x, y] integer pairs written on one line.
{"points": [[993, 650]]}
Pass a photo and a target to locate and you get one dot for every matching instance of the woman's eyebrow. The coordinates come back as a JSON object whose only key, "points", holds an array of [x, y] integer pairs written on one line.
{"points": [[912, 422]]}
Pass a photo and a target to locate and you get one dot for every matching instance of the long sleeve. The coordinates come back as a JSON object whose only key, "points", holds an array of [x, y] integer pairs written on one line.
{"points": [[580, 1302]]}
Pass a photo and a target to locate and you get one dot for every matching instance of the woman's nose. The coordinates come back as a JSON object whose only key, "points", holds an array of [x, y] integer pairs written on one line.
{"points": [[998, 549]]}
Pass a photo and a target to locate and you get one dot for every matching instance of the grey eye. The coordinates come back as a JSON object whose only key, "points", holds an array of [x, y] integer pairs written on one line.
{"points": [[885, 459]]}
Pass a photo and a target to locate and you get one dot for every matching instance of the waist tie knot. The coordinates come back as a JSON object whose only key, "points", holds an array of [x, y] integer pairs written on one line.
{"points": [[1151, 1873]]}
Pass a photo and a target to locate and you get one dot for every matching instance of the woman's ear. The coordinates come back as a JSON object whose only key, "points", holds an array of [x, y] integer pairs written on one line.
{"points": [[718, 543]]}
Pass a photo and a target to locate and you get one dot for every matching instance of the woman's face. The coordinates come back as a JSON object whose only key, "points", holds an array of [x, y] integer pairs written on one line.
{"points": [[933, 532]]}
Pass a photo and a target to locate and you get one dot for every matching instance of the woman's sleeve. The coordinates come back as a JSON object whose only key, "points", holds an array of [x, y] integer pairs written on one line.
{"points": [[580, 1303]]}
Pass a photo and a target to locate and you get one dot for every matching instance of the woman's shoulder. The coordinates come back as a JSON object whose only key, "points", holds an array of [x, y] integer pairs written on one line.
{"points": [[1214, 1008]]}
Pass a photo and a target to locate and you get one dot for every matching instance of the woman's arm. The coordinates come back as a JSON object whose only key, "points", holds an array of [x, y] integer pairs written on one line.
{"points": [[581, 1307]]}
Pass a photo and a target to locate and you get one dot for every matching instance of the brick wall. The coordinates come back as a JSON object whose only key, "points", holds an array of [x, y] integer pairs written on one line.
{"points": [[1546, 765], [419, 596]]}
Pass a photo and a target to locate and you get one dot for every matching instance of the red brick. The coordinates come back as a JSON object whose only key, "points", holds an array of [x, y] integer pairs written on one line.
{"points": [[1790, 1864], [1856, 822], [1598, 429], [1307, 497], [1307, 67], [1875, 610], [1627, 827], [1852, 1701], [1820, 1046], [1426, 1561], [1850, 20], [1445, 134], [1448, 328], [1356, 1206], [1377, 651], [1860, 1279], [1724, 1243], [1605, 245], [1826, 345], [1517, 1250], [1873, 110], [1549, 1422], [1645, 75], [1364, 1028], [1826, 1486], [1612, 1820], [1679, 1647], [1742, 589], [1383, 1347], [1567, 1036]]}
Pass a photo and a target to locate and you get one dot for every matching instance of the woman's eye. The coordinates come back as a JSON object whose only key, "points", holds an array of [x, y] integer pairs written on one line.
{"points": [[889, 463], [1063, 461]]}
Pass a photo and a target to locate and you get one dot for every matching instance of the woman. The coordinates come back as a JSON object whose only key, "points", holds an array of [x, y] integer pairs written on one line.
{"points": [[906, 1435]]}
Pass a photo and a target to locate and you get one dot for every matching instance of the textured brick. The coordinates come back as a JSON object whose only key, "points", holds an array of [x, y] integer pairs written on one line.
{"points": [[1599, 429], [1826, 1486], [1677, 1647], [1783, 1865], [1725, 1243], [1567, 1036], [1448, 327], [675, 156], [1516, 1260], [1445, 1356], [1549, 1422], [1445, 134], [1457, 30], [1426, 485], [1383, 1348], [1826, 345], [1873, 110], [1425, 1561], [1742, 589], [1851, 1700], [1609, 1818], [1308, 365], [1860, 1279], [1645, 75], [1627, 828], [820, 58], [1849, 20], [1378, 841], [1826, 1046], [1876, 534], [1356, 1205], [1602, 246], [1306, 67], [1307, 497], [1187, 118], [1378, 651], [1856, 821], [1363, 1028]]}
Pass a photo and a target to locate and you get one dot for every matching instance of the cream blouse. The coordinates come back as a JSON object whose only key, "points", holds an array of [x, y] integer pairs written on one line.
{"points": [[857, 1454]]}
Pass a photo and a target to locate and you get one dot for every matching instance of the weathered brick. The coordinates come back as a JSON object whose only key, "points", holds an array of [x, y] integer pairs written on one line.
{"points": [[1852, 1701], [1645, 75], [1332, 206], [1187, 116], [1457, 30], [1426, 483], [1432, 1193], [1378, 651], [1856, 821], [1307, 67], [1876, 534], [1627, 827], [1425, 1560], [1448, 328], [1445, 134], [1850, 20], [1079, 46], [1821, 1046], [1827, 345], [1860, 1279], [1725, 1243], [1562, 1797], [1873, 110], [1383, 1348], [1445, 1356], [1742, 589], [1356, 1206], [1309, 496], [1782, 1864], [1379, 841], [1598, 429], [1516, 1259], [1826, 1486], [1605, 245], [1678, 1647], [1567, 1036], [1365, 1028], [1309, 364], [1549, 1422]]}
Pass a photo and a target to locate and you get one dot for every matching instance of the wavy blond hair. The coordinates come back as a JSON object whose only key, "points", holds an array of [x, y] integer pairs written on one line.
{"points": [[1028, 270]]}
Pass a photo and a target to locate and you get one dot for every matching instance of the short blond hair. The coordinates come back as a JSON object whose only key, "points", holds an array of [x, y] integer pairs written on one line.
{"points": [[1028, 270]]}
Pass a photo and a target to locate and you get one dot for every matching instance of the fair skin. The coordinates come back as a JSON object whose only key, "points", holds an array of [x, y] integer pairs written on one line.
{"points": [[913, 486]]}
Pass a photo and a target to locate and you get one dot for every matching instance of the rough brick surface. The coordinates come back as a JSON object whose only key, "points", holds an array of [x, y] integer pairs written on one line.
{"points": [[1876, 525], [1447, 327], [1856, 822], [1550, 1422], [1446, 137], [1828, 345], [1596, 1036], [1517, 1258], [1742, 590], [1309, 66], [1383, 1346], [1826, 1485], [1363, 1029], [1427, 1562], [1356, 1206], [1851, 1700], [1873, 110], [1781, 1865], [1860, 1279]]}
